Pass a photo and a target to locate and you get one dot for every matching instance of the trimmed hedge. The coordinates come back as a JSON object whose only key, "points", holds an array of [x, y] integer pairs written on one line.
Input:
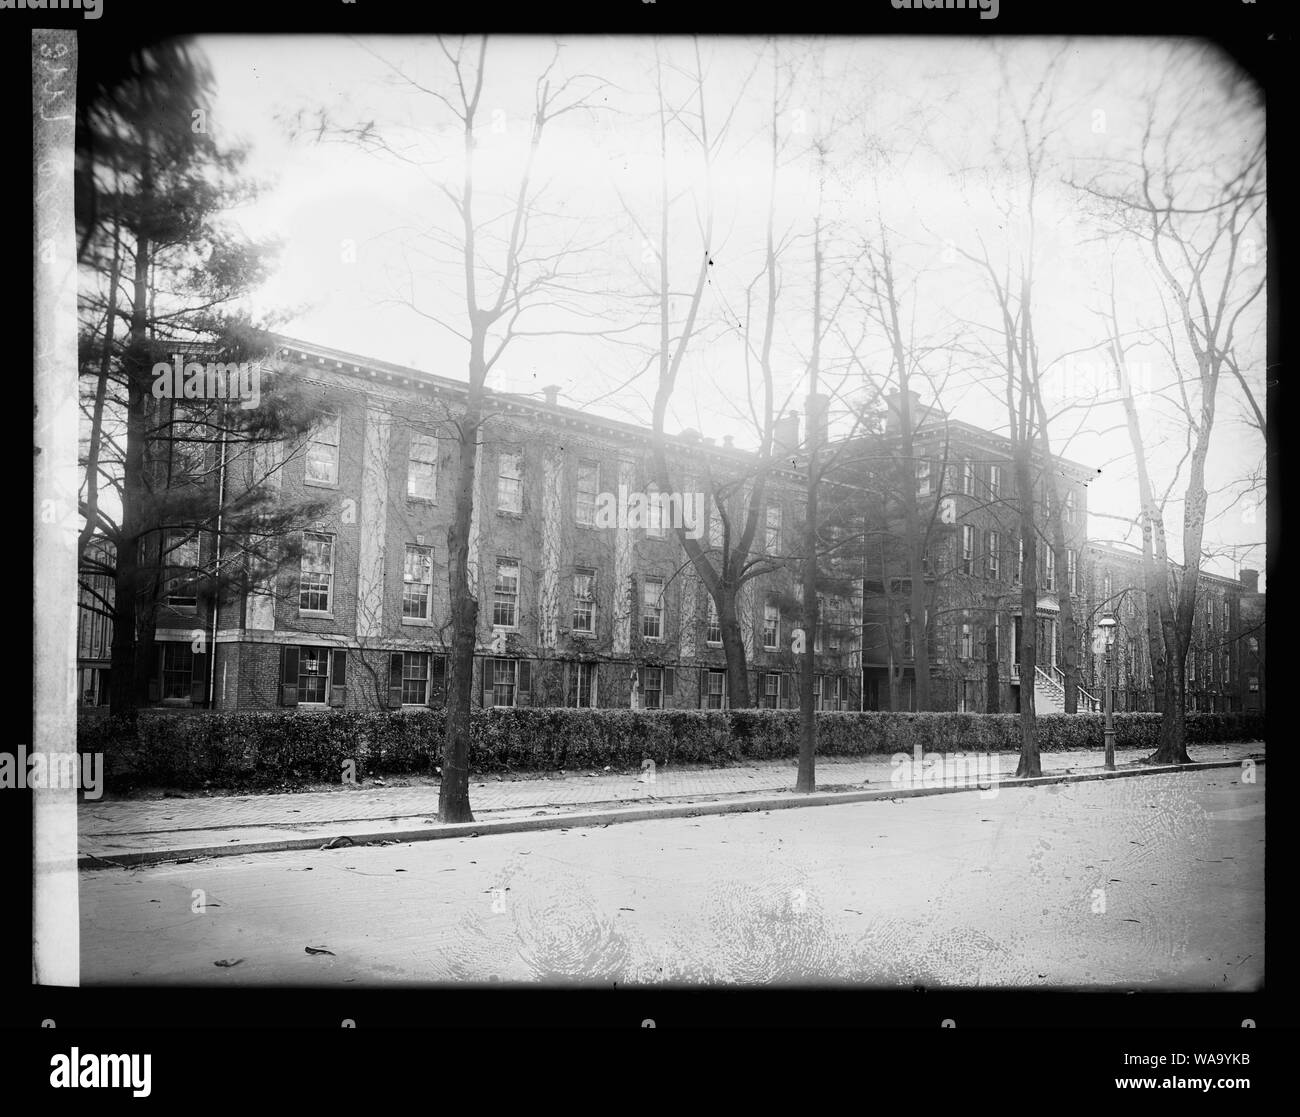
{"points": [[251, 750]]}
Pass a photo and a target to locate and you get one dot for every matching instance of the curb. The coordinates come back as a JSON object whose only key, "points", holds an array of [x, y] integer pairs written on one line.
{"points": [[768, 802]]}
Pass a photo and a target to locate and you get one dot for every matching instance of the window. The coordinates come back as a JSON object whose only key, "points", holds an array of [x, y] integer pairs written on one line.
{"points": [[177, 670], [968, 478], [313, 675], [504, 674], [1105, 586], [1049, 569], [417, 583], [923, 477], [584, 600], [966, 702], [773, 534], [182, 556], [717, 531], [652, 608], [1072, 570], [908, 649], [771, 690], [1069, 507], [821, 623], [422, 468], [994, 549], [188, 444], [582, 685], [834, 621], [588, 490], [713, 632], [656, 513], [317, 575], [716, 693], [323, 451], [995, 481], [997, 640], [510, 483], [1129, 607], [1226, 660], [967, 549], [1191, 666], [966, 641], [771, 624], [415, 678], [1226, 616], [505, 599], [1020, 559], [653, 694]]}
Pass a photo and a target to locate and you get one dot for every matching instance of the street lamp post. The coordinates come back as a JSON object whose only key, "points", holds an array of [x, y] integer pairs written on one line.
{"points": [[1108, 624]]}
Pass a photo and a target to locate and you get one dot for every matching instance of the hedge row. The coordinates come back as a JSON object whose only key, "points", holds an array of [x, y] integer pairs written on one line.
{"points": [[247, 750]]}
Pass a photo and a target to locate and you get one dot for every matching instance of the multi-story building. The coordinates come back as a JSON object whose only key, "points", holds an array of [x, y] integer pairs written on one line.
{"points": [[95, 593], [585, 595], [974, 564], [1226, 651]]}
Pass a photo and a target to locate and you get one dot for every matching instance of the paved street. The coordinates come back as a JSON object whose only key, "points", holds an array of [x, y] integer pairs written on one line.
{"points": [[108, 827], [1151, 881]]}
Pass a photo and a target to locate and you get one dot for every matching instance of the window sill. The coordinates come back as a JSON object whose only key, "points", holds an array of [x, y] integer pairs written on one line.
{"points": [[413, 499], [320, 484], [417, 622], [510, 514], [313, 615]]}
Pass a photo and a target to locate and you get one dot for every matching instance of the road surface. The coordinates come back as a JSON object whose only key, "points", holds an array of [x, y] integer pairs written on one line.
{"points": [[1151, 882]]}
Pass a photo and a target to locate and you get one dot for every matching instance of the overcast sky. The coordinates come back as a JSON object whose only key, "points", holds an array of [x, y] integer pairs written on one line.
{"points": [[915, 134]]}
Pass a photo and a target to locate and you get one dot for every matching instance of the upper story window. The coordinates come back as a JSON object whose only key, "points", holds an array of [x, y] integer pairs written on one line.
{"points": [[422, 467], [510, 483], [182, 556], [773, 532], [316, 580], [1049, 569], [323, 450], [652, 608], [966, 643], [1069, 507], [417, 583], [968, 478], [505, 597], [588, 489], [995, 481], [189, 443], [1105, 586], [584, 600], [923, 477], [994, 555], [1226, 615], [713, 633], [967, 549], [1072, 570], [656, 514], [771, 624]]}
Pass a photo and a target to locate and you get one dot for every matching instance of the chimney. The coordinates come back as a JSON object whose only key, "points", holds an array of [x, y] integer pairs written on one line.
{"points": [[1250, 581], [690, 434], [727, 441], [816, 407], [710, 441], [785, 433], [552, 394], [893, 416]]}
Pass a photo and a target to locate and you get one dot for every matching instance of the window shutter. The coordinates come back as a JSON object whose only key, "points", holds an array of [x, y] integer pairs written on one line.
{"points": [[394, 680], [844, 692], [486, 667], [437, 680], [525, 683], [760, 691], [338, 676], [289, 675], [670, 677], [785, 691], [199, 679], [704, 685]]}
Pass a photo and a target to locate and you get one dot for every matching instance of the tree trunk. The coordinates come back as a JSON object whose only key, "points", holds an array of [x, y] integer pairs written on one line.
{"points": [[993, 695], [733, 648], [807, 777], [1030, 763], [453, 793]]}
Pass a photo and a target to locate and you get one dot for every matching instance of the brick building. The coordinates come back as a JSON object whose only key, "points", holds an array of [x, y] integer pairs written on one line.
{"points": [[974, 559], [578, 606], [1226, 656]]}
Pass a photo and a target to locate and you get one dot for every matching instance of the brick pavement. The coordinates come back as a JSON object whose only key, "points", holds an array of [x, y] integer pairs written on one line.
{"points": [[129, 822]]}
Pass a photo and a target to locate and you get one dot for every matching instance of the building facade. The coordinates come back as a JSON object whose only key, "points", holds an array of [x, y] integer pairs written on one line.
{"points": [[586, 597]]}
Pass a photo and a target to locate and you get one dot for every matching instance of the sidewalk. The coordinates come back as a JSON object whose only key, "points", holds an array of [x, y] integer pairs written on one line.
{"points": [[173, 828]]}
